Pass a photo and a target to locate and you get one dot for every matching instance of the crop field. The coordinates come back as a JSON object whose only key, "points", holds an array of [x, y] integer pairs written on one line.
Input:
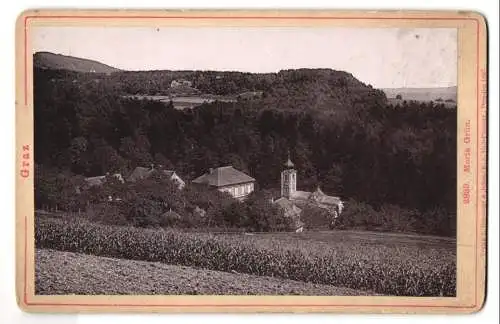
{"points": [[389, 264], [323, 240], [59, 272]]}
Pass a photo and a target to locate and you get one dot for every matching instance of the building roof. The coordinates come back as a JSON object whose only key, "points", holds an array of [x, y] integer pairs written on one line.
{"points": [[100, 180], [301, 195], [140, 173], [95, 181], [169, 173], [289, 163], [223, 176], [321, 198], [318, 196], [289, 208]]}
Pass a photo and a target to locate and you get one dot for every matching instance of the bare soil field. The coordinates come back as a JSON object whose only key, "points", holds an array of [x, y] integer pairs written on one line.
{"points": [[59, 273]]}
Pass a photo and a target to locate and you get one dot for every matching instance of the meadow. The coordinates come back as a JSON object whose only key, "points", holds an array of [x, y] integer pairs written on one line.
{"points": [[388, 264], [184, 101]]}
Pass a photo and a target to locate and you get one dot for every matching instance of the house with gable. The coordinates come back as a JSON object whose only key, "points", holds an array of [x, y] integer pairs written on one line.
{"points": [[179, 83], [141, 173], [228, 179], [97, 181]]}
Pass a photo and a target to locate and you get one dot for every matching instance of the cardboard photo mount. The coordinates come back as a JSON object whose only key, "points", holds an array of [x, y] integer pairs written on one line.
{"points": [[471, 181]]}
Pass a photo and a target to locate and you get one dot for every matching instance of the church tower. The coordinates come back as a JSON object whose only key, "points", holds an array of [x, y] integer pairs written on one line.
{"points": [[288, 179]]}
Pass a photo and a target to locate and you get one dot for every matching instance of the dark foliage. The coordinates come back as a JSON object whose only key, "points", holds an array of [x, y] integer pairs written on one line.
{"points": [[341, 134]]}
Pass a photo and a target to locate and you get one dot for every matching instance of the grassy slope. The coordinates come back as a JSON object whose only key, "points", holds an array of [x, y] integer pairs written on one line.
{"points": [[72, 273], [57, 61]]}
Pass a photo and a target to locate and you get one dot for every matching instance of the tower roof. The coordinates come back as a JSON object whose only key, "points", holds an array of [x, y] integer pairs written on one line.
{"points": [[289, 163]]}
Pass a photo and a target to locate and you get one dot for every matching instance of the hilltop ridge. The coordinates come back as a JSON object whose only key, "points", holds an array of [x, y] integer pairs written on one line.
{"points": [[48, 60]]}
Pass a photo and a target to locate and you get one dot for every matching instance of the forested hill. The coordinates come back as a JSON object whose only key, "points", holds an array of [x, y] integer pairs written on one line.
{"points": [[323, 90], [47, 60], [376, 153], [320, 90]]}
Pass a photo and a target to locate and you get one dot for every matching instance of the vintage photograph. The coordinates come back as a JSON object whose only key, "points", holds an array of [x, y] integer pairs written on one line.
{"points": [[177, 160]]}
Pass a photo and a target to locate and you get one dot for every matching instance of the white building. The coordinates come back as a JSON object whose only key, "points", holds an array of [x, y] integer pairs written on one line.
{"points": [[178, 83], [228, 179]]}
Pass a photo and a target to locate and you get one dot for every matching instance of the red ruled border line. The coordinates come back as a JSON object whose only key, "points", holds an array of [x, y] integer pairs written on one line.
{"points": [[26, 18]]}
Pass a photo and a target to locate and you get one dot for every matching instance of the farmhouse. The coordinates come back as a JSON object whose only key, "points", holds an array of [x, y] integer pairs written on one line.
{"points": [[228, 179], [98, 181], [140, 173], [179, 83], [292, 200]]}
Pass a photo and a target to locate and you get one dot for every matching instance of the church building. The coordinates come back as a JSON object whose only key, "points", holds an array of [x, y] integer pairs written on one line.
{"points": [[292, 201]]}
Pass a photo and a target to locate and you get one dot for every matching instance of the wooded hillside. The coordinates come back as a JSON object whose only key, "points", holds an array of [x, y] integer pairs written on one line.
{"points": [[341, 133]]}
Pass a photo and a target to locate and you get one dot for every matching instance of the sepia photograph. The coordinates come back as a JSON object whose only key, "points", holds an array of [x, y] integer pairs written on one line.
{"points": [[247, 160]]}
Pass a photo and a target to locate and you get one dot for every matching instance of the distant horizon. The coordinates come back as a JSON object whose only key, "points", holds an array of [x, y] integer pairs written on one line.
{"points": [[236, 71], [395, 64]]}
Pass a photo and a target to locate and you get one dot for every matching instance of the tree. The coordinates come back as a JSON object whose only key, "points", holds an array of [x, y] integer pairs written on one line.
{"points": [[136, 150], [261, 215], [341, 134], [106, 159], [56, 190], [161, 160], [236, 161], [333, 180]]}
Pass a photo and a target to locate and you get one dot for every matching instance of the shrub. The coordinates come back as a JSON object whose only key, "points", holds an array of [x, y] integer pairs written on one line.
{"points": [[144, 213], [255, 214], [359, 215], [316, 218], [107, 213], [438, 221]]}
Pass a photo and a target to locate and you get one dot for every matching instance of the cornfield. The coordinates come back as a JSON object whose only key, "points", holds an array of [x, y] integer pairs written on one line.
{"points": [[390, 270]]}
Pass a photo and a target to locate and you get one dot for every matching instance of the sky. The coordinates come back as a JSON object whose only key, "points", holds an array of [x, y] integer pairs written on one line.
{"points": [[382, 57]]}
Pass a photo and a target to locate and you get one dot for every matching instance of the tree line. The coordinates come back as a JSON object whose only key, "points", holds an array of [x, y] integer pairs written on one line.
{"points": [[342, 136]]}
